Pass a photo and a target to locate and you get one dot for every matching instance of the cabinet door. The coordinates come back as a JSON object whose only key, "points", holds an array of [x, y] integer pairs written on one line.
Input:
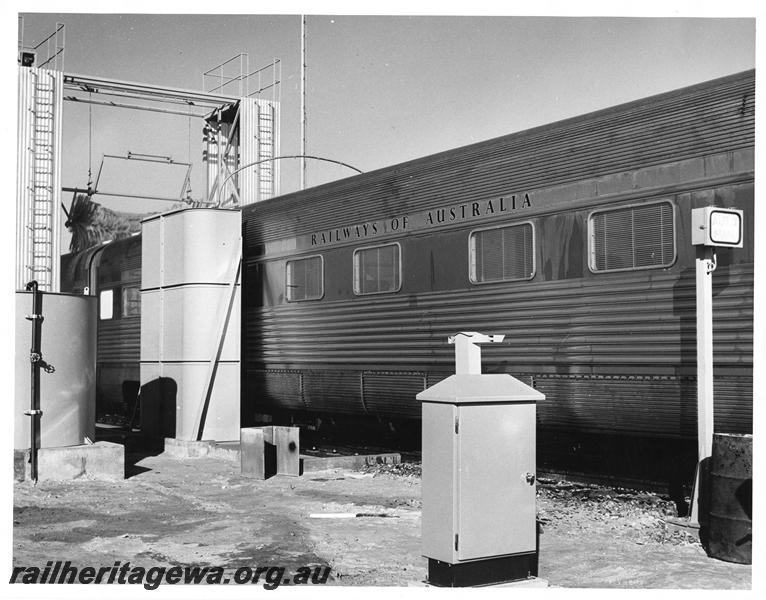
{"points": [[496, 503], [438, 483]]}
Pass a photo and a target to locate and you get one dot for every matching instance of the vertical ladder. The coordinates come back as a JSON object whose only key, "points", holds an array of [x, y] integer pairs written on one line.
{"points": [[265, 150], [40, 224]]}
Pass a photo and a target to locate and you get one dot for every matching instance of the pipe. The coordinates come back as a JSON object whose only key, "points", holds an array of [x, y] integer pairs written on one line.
{"points": [[35, 358], [263, 160]]}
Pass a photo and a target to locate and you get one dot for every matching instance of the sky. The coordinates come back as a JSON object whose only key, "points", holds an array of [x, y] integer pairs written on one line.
{"points": [[380, 89]]}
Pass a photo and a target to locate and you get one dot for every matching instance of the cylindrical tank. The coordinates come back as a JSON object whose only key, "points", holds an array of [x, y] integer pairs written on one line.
{"points": [[68, 393], [731, 498], [189, 257]]}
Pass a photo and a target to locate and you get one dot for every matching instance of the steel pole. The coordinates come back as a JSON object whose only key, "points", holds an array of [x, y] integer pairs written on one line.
{"points": [[704, 267], [35, 356]]}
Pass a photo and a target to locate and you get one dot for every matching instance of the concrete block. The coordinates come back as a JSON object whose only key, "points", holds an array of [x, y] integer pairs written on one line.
{"points": [[104, 461], [188, 448], [252, 445], [226, 451], [287, 441], [270, 450]]}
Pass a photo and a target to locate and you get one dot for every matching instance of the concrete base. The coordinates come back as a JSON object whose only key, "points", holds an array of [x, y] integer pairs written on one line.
{"points": [[309, 464], [531, 582], [206, 448], [20, 458], [322, 463], [188, 448], [104, 461]]}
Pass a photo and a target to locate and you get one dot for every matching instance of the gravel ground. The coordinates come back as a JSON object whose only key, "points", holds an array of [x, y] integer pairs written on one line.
{"points": [[203, 512]]}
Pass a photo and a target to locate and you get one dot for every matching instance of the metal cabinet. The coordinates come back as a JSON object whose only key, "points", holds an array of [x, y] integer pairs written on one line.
{"points": [[479, 479]]}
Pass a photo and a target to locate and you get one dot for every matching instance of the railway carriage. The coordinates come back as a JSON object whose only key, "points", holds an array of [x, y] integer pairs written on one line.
{"points": [[112, 271], [572, 239]]}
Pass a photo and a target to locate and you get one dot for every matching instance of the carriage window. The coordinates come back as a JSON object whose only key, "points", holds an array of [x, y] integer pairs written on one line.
{"points": [[305, 280], [131, 301], [106, 304], [502, 253], [632, 237], [377, 269]]}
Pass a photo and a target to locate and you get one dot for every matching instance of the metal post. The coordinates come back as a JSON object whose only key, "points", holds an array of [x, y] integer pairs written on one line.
{"points": [[704, 265], [35, 357], [467, 356], [303, 101], [468, 353]]}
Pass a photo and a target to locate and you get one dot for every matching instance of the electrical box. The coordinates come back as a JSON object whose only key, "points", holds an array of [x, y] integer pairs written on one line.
{"points": [[478, 484], [713, 226]]}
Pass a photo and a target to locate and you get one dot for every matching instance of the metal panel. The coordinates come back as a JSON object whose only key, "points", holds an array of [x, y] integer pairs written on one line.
{"points": [[39, 183], [577, 322], [275, 389], [56, 220], [259, 141], [151, 253], [68, 394], [38, 192], [119, 340], [733, 404], [25, 157], [222, 421], [439, 484], [151, 325], [496, 504], [189, 324], [198, 245], [120, 261], [610, 325], [392, 392], [332, 391]]}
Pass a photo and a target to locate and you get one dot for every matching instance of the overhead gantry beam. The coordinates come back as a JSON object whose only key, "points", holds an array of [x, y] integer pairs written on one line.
{"points": [[144, 91]]}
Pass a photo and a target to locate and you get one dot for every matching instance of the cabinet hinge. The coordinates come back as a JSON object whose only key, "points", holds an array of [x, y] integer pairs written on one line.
{"points": [[456, 542], [457, 425]]}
